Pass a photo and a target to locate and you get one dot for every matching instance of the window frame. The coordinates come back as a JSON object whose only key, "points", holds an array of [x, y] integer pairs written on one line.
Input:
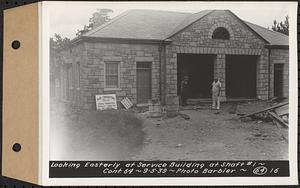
{"points": [[106, 87], [225, 29]]}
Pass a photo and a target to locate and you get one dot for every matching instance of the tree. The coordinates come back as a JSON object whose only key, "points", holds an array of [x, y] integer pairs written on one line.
{"points": [[57, 43], [282, 27], [98, 18]]}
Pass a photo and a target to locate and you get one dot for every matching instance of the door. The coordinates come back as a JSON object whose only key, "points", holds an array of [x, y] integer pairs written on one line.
{"points": [[143, 80], [278, 80]]}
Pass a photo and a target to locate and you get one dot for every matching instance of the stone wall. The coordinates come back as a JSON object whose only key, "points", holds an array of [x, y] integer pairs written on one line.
{"points": [[219, 72], [69, 83], [200, 33], [280, 56], [262, 76], [92, 70], [197, 39]]}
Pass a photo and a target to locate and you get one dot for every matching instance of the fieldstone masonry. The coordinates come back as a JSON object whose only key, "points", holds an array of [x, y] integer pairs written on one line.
{"points": [[280, 56], [262, 75], [69, 76], [127, 55], [194, 39], [219, 72], [197, 39]]}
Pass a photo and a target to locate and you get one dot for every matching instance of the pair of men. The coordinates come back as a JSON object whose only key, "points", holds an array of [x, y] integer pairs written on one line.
{"points": [[216, 91]]}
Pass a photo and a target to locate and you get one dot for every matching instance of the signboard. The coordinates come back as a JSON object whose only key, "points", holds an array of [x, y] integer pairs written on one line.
{"points": [[104, 102], [126, 103]]}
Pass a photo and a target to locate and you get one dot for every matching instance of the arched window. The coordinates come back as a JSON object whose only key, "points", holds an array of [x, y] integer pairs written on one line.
{"points": [[221, 33]]}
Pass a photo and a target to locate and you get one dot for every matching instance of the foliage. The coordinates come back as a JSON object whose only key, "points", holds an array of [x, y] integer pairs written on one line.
{"points": [[98, 18], [58, 42], [282, 27]]}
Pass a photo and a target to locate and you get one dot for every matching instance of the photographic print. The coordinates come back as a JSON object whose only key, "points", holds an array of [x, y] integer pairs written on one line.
{"points": [[171, 89]]}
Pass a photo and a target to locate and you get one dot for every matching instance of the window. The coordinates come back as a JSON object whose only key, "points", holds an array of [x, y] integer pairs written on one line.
{"points": [[143, 65], [221, 33], [112, 75]]}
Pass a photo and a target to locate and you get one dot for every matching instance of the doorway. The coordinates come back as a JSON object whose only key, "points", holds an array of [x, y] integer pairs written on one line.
{"points": [[278, 80], [241, 76], [143, 81], [200, 71]]}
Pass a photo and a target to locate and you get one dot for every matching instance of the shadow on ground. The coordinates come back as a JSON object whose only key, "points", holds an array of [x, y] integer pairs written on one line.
{"points": [[100, 135]]}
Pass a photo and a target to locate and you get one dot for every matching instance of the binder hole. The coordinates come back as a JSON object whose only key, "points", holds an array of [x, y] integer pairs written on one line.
{"points": [[15, 44], [16, 147]]}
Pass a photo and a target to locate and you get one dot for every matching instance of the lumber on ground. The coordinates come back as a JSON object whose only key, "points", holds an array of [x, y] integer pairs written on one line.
{"points": [[278, 119], [265, 110]]}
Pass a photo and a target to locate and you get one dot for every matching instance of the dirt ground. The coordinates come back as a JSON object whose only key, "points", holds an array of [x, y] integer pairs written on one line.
{"points": [[208, 135]]}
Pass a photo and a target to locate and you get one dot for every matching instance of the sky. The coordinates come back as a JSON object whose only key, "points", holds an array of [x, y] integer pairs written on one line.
{"points": [[67, 17]]}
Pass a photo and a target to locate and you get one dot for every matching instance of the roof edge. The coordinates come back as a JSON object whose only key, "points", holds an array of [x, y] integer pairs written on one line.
{"points": [[117, 40], [106, 24], [272, 46], [245, 24], [176, 32], [266, 28]]}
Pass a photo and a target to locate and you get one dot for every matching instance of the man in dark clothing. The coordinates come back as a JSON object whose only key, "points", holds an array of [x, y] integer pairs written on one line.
{"points": [[184, 90]]}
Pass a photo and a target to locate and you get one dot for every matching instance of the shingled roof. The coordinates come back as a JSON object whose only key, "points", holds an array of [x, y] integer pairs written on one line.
{"points": [[160, 25], [140, 24], [273, 37]]}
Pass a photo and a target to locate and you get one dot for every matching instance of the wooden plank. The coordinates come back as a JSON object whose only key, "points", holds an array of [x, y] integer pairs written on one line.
{"points": [[265, 110], [278, 119], [283, 110]]}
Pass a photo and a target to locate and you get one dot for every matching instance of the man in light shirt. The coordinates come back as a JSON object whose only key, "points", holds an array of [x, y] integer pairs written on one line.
{"points": [[216, 91]]}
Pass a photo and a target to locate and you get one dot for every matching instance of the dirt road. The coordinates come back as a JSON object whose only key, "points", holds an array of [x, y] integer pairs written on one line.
{"points": [[210, 136]]}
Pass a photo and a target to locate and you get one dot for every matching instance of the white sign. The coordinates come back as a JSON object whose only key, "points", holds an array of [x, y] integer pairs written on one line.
{"points": [[126, 103], [104, 102]]}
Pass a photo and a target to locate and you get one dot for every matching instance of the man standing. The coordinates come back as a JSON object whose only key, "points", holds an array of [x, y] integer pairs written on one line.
{"points": [[184, 90], [216, 91]]}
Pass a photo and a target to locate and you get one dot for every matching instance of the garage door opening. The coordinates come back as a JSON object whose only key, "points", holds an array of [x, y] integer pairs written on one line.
{"points": [[199, 69], [241, 76]]}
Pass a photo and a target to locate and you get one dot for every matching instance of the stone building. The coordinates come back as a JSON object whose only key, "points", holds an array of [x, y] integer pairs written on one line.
{"points": [[144, 54]]}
